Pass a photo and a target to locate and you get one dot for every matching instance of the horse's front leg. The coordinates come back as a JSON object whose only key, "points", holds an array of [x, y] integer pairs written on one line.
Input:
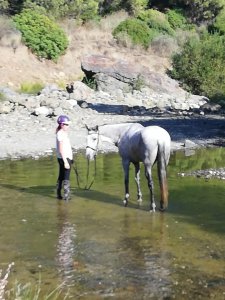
{"points": [[126, 165], [137, 179], [148, 174]]}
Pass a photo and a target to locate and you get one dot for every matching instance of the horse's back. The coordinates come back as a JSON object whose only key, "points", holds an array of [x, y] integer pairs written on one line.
{"points": [[155, 133]]}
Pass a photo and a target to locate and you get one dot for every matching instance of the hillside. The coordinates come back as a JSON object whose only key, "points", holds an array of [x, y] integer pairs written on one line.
{"points": [[21, 66]]}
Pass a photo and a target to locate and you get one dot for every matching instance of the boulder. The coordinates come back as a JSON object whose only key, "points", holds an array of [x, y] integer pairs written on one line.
{"points": [[5, 107], [43, 111], [50, 102], [211, 108], [81, 91], [111, 74]]}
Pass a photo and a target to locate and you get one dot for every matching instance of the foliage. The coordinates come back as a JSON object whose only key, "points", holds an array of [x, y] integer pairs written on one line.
{"points": [[41, 35], [138, 83], [134, 7], [200, 66], [156, 20], [219, 24], [11, 7], [4, 6], [35, 6], [31, 88], [176, 18], [137, 30], [79, 9], [83, 9], [90, 82], [200, 11]]}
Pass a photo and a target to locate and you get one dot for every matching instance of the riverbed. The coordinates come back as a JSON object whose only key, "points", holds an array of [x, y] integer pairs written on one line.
{"points": [[100, 249]]}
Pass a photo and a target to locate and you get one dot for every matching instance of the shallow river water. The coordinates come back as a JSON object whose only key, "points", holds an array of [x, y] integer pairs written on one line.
{"points": [[101, 250]]}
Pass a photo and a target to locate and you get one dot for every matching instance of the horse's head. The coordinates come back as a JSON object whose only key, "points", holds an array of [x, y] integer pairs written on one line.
{"points": [[92, 142]]}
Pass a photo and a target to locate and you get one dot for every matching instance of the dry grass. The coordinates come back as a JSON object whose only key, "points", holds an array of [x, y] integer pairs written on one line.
{"points": [[113, 20], [164, 45], [92, 38], [4, 281]]}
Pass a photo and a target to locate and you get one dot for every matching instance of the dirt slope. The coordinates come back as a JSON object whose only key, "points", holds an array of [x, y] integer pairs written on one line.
{"points": [[22, 66]]}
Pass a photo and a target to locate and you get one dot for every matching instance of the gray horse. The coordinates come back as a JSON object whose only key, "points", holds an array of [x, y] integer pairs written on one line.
{"points": [[136, 144]]}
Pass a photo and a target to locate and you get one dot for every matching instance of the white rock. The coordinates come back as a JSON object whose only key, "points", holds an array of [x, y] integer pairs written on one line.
{"points": [[43, 110]]}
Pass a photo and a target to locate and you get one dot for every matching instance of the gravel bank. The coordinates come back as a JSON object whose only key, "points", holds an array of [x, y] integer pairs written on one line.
{"points": [[24, 135]]}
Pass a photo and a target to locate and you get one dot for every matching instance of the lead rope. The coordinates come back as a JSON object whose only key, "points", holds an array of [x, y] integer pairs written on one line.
{"points": [[88, 169], [87, 177]]}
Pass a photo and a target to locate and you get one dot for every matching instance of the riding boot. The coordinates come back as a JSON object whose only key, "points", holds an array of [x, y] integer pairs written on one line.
{"points": [[58, 189], [66, 187]]}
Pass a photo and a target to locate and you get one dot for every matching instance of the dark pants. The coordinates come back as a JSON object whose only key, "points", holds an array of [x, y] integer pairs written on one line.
{"points": [[64, 179], [64, 174]]}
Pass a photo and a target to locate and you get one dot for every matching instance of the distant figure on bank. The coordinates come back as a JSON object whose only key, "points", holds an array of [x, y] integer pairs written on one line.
{"points": [[65, 157], [70, 88]]}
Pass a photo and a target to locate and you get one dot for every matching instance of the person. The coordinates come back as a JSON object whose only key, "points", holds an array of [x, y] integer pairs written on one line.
{"points": [[64, 156]]}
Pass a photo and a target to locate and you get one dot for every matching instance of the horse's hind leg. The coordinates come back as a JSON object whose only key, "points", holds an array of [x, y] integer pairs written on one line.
{"points": [[137, 179], [126, 165], [148, 174]]}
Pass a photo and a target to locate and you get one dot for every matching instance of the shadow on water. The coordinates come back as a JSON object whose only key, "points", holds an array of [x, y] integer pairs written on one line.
{"points": [[44, 190], [95, 195], [92, 195]]}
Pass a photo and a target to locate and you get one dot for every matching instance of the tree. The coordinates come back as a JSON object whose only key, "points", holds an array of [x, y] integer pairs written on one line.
{"points": [[200, 66], [199, 11]]}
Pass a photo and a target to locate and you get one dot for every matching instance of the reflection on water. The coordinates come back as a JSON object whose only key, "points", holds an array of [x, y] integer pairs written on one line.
{"points": [[100, 249], [66, 244]]}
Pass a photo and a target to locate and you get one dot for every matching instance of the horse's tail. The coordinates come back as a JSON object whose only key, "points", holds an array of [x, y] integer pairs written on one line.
{"points": [[162, 161]]}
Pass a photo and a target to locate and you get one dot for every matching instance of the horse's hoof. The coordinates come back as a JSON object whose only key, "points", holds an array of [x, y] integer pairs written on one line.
{"points": [[125, 203], [162, 209]]}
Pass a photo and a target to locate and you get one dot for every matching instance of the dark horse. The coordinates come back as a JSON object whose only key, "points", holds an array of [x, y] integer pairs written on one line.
{"points": [[136, 144]]}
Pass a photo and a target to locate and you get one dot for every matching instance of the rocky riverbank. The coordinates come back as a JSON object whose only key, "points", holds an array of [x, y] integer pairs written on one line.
{"points": [[28, 123]]}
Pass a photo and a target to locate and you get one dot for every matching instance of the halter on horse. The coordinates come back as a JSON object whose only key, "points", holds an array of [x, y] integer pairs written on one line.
{"points": [[136, 144]]}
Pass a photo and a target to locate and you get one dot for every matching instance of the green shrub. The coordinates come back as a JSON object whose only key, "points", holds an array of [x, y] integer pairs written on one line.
{"points": [[2, 96], [176, 18], [31, 88], [137, 30], [219, 24], [138, 83], [44, 37], [200, 66], [156, 20], [90, 82], [137, 6]]}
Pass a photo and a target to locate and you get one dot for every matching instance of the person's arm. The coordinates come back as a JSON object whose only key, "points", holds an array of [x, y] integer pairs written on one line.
{"points": [[61, 151]]}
